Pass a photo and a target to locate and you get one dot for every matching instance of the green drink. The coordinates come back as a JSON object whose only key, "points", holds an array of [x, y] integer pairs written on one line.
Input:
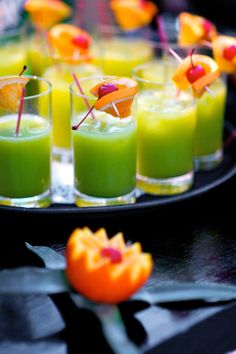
{"points": [[24, 159], [209, 131], [104, 158]]}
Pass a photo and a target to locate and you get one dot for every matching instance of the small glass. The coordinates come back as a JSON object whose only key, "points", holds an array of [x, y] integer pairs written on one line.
{"points": [[104, 152], [25, 159], [13, 51], [208, 146], [166, 125], [117, 52]]}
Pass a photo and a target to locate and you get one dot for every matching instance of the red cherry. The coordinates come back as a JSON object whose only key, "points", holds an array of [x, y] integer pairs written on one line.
{"points": [[230, 52], [195, 73], [112, 253], [81, 41], [106, 88], [207, 25]]}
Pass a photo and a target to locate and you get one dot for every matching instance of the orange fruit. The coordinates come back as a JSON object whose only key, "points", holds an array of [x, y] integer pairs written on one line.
{"points": [[194, 29], [211, 68], [122, 97], [45, 13], [105, 270], [10, 92], [69, 42], [133, 14], [220, 45]]}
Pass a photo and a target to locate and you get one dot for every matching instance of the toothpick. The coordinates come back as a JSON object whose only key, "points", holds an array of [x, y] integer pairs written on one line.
{"points": [[179, 59], [83, 95], [20, 111]]}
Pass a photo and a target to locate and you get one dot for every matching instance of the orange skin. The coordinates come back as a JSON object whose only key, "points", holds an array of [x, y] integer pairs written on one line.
{"points": [[193, 31], [209, 65], [122, 98], [218, 45], [133, 14], [45, 13], [10, 92], [95, 276], [62, 38]]}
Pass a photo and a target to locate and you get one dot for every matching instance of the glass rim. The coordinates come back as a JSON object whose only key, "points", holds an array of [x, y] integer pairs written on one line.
{"points": [[34, 77], [147, 81]]}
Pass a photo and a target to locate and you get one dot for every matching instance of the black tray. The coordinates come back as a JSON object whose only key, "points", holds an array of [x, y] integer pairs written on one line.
{"points": [[203, 183]]}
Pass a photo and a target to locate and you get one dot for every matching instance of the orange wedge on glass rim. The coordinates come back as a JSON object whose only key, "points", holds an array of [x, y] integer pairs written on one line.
{"points": [[10, 92], [133, 14], [70, 42], [122, 97], [224, 50], [194, 29], [208, 65], [45, 13], [105, 270]]}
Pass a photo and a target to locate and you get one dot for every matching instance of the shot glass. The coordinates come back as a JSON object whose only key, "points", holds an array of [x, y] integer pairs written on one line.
{"points": [[208, 145], [104, 152], [166, 121], [25, 158], [13, 51]]}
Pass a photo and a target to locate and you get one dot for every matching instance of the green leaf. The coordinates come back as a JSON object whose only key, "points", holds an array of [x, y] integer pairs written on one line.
{"points": [[209, 292], [112, 326], [51, 258], [33, 280]]}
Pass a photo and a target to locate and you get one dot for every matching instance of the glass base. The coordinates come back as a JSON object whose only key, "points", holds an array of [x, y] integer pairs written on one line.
{"points": [[165, 186], [208, 162], [83, 200], [62, 182], [40, 201]]}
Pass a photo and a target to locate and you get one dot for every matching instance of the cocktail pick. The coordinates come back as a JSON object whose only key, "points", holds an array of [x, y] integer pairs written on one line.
{"points": [[83, 95], [162, 32], [20, 111]]}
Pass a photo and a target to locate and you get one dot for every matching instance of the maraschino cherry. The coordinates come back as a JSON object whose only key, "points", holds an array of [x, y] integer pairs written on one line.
{"points": [[82, 42], [207, 25], [113, 254], [195, 72], [106, 89], [229, 53]]}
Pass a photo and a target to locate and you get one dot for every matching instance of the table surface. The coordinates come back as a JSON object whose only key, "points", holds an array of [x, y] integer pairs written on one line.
{"points": [[193, 240]]}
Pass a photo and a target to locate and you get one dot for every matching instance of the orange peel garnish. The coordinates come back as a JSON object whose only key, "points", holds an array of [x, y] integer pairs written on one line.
{"points": [[122, 98], [105, 270], [133, 14], [46, 13], [70, 42], [219, 45], [10, 92], [194, 29], [212, 72]]}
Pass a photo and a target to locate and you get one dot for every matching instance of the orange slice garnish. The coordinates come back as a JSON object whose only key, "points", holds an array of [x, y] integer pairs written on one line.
{"points": [[122, 97], [224, 50], [211, 73], [194, 29], [46, 13], [133, 14], [70, 42], [105, 270], [10, 92]]}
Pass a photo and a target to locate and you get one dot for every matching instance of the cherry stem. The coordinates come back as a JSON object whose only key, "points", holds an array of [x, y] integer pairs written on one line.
{"points": [[162, 32], [23, 70], [20, 111], [83, 94], [75, 127], [191, 57]]}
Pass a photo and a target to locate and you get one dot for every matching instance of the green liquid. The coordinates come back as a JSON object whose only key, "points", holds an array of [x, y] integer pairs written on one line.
{"points": [[210, 111], [24, 159], [166, 127], [105, 156]]}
